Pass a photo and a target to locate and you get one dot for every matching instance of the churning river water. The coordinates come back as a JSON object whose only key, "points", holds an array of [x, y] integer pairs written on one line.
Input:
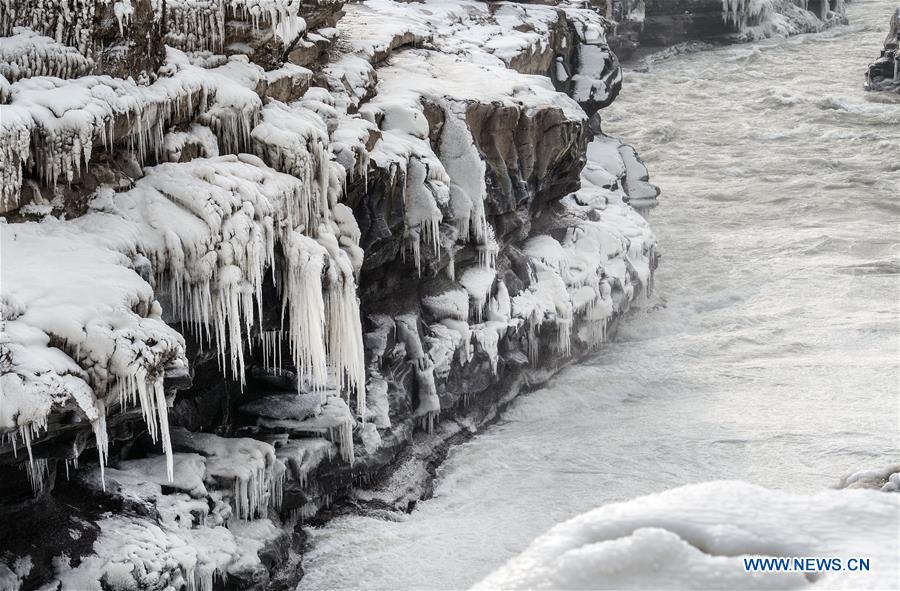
{"points": [[769, 353]]}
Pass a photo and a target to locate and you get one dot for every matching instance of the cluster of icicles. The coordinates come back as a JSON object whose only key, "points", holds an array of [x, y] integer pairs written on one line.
{"points": [[200, 25], [744, 13], [58, 143], [222, 287], [26, 54], [70, 23], [211, 229]]}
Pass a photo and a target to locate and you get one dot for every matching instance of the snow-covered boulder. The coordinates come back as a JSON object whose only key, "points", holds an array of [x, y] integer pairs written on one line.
{"points": [[700, 537]]}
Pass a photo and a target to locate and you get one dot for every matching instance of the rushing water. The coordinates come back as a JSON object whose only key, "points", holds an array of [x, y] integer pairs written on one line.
{"points": [[771, 354]]}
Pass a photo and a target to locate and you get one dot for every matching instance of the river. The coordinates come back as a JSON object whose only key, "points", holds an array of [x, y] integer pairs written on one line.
{"points": [[768, 354]]}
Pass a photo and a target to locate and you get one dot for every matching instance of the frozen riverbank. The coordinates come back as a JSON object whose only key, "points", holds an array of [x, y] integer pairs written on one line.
{"points": [[770, 353]]}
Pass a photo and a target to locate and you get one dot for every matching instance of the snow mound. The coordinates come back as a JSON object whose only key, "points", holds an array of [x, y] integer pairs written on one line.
{"points": [[886, 479], [695, 537]]}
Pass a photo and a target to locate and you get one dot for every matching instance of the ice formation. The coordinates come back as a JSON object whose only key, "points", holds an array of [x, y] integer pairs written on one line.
{"points": [[100, 343], [331, 419], [250, 467], [199, 536], [884, 479], [755, 19], [222, 220], [200, 25], [26, 54], [697, 536], [69, 23], [221, 196]]}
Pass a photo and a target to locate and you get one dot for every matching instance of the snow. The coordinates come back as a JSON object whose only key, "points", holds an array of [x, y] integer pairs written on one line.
{"points": [[466, 170], [695, 537], [70, 23], [199, 136], [885, 479], [249, 466], [478, 282], [609, 247], [332, 420], [303, 456], [244, 180], [105, 326], [433, 74], [208, 229], [132, 552]]}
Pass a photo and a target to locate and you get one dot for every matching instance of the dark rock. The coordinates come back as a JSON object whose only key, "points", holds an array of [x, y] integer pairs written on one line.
{"points": [[884, 73]]}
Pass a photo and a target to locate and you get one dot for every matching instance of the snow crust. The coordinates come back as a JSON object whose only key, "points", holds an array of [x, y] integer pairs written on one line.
{"points": [[696, 536]]}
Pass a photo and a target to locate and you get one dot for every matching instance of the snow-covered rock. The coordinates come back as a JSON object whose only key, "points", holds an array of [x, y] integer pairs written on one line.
{"points": [[245, 273], [884, 72], [699, 536], [669, 23]]}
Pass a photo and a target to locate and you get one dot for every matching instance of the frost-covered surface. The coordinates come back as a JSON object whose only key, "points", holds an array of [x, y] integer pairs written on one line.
{"points": [[757, 19], [198, 536], [697, 536], [205, 234], [343, 255], [200, 25], [26, 54], [884, 72]]}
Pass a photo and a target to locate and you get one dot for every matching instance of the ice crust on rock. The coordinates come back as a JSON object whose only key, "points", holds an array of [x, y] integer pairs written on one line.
{"points": [[196, 539], [223, 199], [696, 536], [757, 19], [248, 465], [97, 344], [26, 54], [208, 229], [200, 25]]}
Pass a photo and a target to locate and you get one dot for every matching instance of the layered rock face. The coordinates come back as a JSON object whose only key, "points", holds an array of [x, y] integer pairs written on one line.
{"points": [[257, 253], [669, 22], [884, 73]]}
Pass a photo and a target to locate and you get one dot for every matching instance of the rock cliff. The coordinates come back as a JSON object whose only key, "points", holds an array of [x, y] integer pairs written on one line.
{"points": [[257, 254], [884, 72]]}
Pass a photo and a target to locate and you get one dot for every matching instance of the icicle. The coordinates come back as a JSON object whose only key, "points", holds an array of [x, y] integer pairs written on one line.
{"points": [[102, 440], [345, 344], [429, 404], [303, 302], [38, 474]]}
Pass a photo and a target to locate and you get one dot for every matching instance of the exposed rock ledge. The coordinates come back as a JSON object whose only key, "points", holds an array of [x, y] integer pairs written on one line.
{"points": [[300, 238], [884, 73]]}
